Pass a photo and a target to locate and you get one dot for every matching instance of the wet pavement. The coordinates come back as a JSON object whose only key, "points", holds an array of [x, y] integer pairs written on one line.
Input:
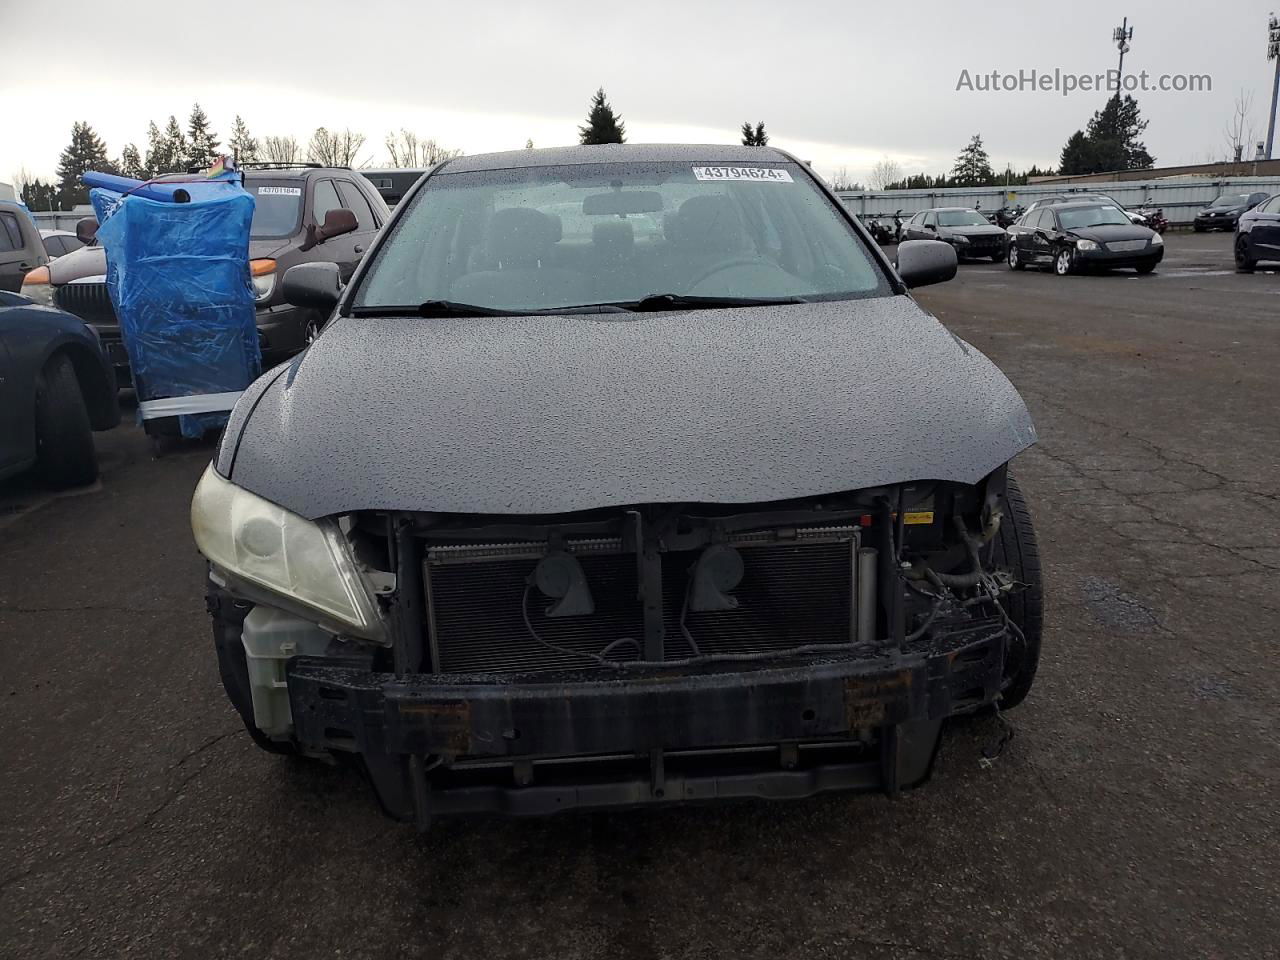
{"points": [[1136, 812]]}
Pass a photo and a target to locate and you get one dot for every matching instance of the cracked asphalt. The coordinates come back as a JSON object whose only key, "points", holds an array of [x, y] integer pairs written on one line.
{"points": [[1134, 814]]}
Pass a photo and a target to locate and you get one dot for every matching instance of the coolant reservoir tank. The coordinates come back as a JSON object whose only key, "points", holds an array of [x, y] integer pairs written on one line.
{"points": [[270, 638]]}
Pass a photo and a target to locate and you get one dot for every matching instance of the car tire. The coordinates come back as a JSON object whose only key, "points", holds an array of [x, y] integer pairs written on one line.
{"points": [[1014, 259], [1064, 262], [64, 438], [1015, 549], [997, 257], [1244, 263], [1198, 228]]}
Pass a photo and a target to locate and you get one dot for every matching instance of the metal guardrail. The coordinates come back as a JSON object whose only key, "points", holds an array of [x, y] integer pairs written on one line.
{"points": [[1180, 198]]}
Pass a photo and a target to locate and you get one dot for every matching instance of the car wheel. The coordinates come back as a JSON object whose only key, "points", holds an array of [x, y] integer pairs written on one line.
{"points": [[1015, 549], [1064, 262], [64, 438], [997, 257], [1015, 261], [1198, 228], [1244, 263]]}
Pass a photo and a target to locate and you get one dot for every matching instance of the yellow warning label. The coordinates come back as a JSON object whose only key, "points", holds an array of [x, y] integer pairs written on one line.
{"points": [[920, 516]]}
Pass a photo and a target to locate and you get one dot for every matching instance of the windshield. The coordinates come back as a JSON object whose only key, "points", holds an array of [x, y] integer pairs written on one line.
{"points": [[277, 207], [1073, 218], [1231, 200], [961, 218], [539, 238]]}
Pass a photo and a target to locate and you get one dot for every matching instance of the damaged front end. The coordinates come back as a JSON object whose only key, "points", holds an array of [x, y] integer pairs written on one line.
{"points": [[530, 664]]}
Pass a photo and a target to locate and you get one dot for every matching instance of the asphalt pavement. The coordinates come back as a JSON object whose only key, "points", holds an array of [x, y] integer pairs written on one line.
{"points": [[1135, 813]]}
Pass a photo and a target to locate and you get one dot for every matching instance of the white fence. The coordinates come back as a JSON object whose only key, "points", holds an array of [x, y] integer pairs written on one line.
{"points": [[1180, 198]]}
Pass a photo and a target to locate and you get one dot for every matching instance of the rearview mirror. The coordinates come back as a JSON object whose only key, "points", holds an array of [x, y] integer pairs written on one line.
{"points": [[316, 285], [336, 223], [86, 229], [923, 262], [631, 201]]}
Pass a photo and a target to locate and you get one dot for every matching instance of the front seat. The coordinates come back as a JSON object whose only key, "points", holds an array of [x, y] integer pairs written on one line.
{"points": [[518, 249], [704, 232]]}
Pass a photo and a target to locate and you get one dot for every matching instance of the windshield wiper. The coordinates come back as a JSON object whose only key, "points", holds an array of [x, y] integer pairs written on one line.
{"points": [[431, 308], [655, 302]]}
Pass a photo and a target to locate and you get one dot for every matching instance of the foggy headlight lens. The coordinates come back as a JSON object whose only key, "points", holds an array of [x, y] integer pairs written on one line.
{"points": [[259, 542], [263, 273], [36, 285], [1157, 240]]}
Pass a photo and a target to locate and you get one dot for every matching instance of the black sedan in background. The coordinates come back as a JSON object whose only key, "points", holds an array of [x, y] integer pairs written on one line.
{"points": [[972, 234], [1074, 236], [1224, 213], [1258, 235], [56, 387]]}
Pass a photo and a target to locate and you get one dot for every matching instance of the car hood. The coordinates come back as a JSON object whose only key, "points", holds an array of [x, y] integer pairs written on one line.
{"points": [[92, 261], [85, 262], [552, 414], [977, 230], [1112, 232], [1239, 208]]}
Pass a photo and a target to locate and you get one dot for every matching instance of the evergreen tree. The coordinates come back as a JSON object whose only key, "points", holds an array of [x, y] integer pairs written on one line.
{"points": [[243, 146], [130, 163], [202, 142], [754, 137], [973, 166], [85, 152], [1109, 142], [1077, 155], [38, 195], [1115, 130], [166, 149], [603, 126]]}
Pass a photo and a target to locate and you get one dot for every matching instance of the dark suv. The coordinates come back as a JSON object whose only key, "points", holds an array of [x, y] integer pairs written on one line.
{"points": [[298, 218]]}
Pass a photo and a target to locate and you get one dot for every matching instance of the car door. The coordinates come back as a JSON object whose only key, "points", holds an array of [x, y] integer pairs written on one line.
{"points": [[1264, 229], [15, 253], [340, 250], [929, 225], [367, 222], [13, 441], [1042, 236]]}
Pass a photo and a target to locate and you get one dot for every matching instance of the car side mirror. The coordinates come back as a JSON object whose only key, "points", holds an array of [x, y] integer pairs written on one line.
{"points": [[86, 230], [336, 223], [316, 285], [924, 262]]}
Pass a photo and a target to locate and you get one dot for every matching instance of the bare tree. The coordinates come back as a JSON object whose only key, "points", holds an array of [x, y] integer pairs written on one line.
{"points": [[407, 149], [332, 148], [21, 177], [841, 182], [1238, 132], [279, 150], [885, 172]]}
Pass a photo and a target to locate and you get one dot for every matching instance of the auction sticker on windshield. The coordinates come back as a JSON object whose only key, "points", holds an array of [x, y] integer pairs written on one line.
{"points": [[266, 191], [759, 174]]}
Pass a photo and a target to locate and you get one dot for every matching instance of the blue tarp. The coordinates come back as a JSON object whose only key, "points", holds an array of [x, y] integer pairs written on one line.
{"points": [[178, 275]]}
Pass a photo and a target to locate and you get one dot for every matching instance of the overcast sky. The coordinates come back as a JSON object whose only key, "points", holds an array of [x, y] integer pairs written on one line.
{"points": [[838, 83]]}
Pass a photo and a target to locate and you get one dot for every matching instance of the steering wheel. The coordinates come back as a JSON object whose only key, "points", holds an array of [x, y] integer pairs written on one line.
{"points": [[725, 265]]}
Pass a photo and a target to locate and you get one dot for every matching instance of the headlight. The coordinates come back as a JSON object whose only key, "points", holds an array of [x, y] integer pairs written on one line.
{"points": [[261, 543], [956, 238], [263, 273], [1157, 240], [36, 285], [1086, 245]]}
